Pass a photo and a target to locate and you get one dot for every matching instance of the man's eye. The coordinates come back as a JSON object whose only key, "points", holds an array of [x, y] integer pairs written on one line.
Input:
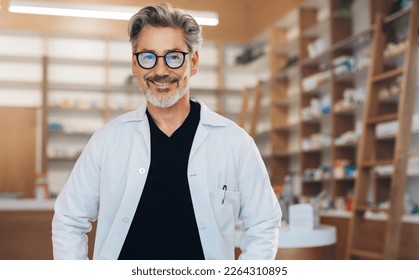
{"points": [[173, 56], [148, 57]]}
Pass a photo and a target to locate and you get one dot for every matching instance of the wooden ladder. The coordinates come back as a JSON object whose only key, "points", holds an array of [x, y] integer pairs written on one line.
{"points": [[256, 95], [380, 238]]}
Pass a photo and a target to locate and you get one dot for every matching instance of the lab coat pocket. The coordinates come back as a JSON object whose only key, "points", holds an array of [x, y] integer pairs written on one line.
{"points": [[226, 211]]}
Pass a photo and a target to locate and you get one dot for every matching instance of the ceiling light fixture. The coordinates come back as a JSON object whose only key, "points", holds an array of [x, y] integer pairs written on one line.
{"points": [[95, 11]]}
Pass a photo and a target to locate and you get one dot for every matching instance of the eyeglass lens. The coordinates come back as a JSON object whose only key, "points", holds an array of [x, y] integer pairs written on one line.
{"points": [[148, 60]]}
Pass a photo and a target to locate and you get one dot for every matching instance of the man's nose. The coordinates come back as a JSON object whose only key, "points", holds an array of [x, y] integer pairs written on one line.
{"points": [[161, 68]]}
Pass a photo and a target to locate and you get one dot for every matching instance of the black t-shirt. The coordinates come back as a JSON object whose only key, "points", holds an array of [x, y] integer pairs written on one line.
{"points": [[164, 225]]}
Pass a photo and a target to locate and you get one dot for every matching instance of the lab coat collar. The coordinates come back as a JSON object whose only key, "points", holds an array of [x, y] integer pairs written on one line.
{"points": [[208, 117]]}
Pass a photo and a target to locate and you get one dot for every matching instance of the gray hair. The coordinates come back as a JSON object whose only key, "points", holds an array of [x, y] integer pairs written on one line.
{"points": [[163, 15]]}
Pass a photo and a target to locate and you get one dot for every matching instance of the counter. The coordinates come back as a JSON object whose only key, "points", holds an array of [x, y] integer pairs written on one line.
{"points": [[26, 204], [315, 244], [25, 233], [322, 235]]}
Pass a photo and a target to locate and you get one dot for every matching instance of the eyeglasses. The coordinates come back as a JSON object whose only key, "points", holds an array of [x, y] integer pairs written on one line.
{"points": [[173, 59]]}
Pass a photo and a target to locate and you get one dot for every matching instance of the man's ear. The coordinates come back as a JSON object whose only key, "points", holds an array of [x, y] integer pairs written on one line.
{"points": [[194, 63]]}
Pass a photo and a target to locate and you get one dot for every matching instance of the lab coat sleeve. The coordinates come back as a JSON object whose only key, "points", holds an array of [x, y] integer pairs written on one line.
{"points": [[77, 206], [260, 210]]}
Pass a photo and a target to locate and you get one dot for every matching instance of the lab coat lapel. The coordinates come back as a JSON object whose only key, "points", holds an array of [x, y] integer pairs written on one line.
{"points": [[139, 163], [198, 185]]}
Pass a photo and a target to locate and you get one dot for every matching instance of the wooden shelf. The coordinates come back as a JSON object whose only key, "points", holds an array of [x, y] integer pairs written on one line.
{"points": [[347, 111], [20, 58], [74, 108], [389, 138], [345, 179], [65, 159], [263, 133], [77, 61], [202, 90], [355, 41], [346, 146], [365, 208], [228, 91], [285, 154], [77, 87], [383, 177], [375, 163], [413, 175], [20, 84], [120, 63], [322, 58], [319, 90], [291, 72], [285, 128], [350, 76], [315, 120], [317, 181], [120, 88], [315, 150], [392, 99], [286, 101], [69, 133]]}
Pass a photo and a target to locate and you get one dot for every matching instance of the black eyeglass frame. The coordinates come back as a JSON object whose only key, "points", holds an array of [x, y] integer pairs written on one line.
{"points": [[164, 58]]}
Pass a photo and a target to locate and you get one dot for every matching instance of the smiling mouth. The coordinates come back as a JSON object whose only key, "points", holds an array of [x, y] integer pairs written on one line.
{"points": [[166, 79], [161, 84], [161, 81]]}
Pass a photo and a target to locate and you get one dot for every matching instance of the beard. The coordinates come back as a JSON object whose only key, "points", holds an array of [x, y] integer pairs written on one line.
{"points": [[163, 100]]}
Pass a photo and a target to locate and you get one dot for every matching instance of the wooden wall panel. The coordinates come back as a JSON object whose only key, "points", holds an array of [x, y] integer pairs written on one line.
{"points": [[17, 150]]}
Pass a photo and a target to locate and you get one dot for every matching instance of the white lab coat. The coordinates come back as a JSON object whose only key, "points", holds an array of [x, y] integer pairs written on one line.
{"points": [[108, 179]]}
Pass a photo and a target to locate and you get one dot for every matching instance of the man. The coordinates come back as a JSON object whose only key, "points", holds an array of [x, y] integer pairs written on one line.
{"points": [[171, 179]]}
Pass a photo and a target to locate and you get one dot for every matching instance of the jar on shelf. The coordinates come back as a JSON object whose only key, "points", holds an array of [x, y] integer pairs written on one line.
{"points": [[41, 186]]}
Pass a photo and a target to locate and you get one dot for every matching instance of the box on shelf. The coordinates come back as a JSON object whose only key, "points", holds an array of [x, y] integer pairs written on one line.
{"points": [[301, 217]]}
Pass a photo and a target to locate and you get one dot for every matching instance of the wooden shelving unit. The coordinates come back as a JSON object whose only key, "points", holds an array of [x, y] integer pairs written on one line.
{"points": [[308, 91], [321, 150], [75, 99], [384, 193]]}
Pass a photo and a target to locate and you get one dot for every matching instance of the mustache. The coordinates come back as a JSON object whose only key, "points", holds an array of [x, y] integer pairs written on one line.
{"points": [[162, 79]]}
